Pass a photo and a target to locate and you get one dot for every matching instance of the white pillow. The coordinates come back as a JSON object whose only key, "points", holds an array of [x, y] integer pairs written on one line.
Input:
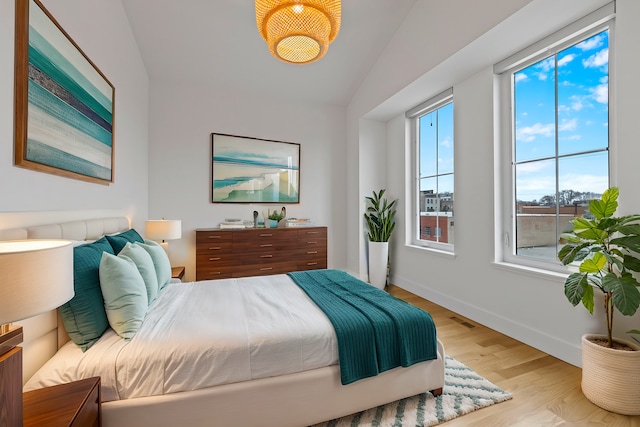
{"points": [[146, 267], [124, 293], [160, 261]]}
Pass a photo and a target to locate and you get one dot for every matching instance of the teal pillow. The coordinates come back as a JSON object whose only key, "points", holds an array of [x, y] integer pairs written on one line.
{"points": [[124, 293], [145, 265], [84, 316], [118, 241], [160, 261]]}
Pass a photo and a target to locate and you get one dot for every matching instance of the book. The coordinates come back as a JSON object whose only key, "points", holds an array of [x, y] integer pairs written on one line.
{"points": [[232, 225]]}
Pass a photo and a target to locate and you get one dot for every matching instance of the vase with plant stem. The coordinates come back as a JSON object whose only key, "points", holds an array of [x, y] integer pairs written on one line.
{"points": [[380, 219], [606, 248]]}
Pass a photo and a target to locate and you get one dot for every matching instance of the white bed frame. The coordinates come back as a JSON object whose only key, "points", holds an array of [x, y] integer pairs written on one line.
{"points": [[295, 400]]}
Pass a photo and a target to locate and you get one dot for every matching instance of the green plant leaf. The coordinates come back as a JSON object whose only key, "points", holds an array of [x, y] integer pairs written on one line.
{"points": [[574, 287], [587, 298], [624, 292], [569, 252], [628, 242], [593, 265], [629, 229], [607, 205], [631, 263]]}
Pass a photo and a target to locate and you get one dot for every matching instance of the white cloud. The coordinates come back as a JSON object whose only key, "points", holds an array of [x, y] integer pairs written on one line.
{"points": [[568, 125], [529, 133], [566, 59], [533, 167], [546, 65], [446, 142], [601, 93], [584, 182], [576, 103], [520, 77], [574, 137], [598, 60], [591, 43]]}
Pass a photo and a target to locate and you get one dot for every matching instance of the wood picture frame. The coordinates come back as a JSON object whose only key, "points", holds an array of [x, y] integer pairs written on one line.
{"points": [[254, 170], [63, 104]]}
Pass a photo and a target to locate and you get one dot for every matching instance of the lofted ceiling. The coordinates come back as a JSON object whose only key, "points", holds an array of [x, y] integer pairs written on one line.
{"points": [[216, 44]]}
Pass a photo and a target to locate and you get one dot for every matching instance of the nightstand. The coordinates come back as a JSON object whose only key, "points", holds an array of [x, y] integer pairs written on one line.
{"points": [[177, 272], [74, 404]]}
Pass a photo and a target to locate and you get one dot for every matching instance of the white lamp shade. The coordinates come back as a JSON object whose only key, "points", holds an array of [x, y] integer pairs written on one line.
{"points": [[35, 276], [163, 229]]}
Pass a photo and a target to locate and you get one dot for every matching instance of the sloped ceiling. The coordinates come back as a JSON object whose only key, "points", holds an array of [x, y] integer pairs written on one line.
{"points": [[216, 44]]}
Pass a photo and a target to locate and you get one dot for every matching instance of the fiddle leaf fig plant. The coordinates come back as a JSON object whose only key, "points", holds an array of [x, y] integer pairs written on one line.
{"points": [[380, 217], [607, 248]]}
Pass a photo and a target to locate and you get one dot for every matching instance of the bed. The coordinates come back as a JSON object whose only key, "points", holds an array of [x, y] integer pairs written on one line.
{"points": [[262, 393]]}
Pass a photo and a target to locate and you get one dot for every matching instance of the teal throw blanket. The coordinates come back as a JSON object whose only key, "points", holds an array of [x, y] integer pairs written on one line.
{"points": [[375, 331]]}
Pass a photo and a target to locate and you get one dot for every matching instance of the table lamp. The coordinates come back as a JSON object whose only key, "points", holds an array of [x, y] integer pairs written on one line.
{"points": [[163, 229], [36, 276]]}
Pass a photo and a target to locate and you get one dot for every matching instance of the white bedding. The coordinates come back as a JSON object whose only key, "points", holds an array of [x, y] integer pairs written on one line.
{"points": [[202, 334]]}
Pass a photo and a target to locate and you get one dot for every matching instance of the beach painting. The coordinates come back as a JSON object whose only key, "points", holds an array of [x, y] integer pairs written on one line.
{"points": [[63, 103], [252, 170]]}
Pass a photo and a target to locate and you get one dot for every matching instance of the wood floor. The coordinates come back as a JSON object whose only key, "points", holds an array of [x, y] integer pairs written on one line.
{"points": [[546, 391]]}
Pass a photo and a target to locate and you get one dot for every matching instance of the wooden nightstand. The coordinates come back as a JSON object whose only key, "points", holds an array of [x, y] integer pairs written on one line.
{"points": [[74, 404], [177, 272]]}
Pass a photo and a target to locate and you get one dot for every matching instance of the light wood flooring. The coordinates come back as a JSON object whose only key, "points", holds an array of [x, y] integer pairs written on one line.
{"points": [[546, 391]]}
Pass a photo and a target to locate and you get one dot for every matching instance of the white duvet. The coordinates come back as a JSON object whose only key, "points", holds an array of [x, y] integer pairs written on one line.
{"points": [[204, 334]]}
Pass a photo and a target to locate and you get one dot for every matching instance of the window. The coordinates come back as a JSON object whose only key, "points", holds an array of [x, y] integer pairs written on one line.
{"points": [[432, 136], [556, 105]]}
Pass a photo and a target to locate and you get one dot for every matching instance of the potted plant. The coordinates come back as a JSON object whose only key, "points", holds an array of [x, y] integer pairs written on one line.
{"points": [[275, 217], [607, 249], [380, 218]]}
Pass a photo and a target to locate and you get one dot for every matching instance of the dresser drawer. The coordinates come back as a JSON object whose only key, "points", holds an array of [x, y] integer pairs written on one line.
{"points": [[218, 236], [265, 269], [214, 248], [263, 234], [216, 260], [213, 272], [270, 245], [315, 232]]}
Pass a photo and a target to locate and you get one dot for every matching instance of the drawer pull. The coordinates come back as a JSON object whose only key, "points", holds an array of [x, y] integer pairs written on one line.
{"points": [[266, 234], [312, 263], [215, 237], [312, 243], [215, 273], [266, 256], [312, 252], [313, 232], [215, 248], [214, 259], [266, 245], [266, 268]]}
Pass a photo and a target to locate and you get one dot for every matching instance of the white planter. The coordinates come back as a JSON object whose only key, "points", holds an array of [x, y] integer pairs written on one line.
{"points": [[611, 378], [378, 259]]}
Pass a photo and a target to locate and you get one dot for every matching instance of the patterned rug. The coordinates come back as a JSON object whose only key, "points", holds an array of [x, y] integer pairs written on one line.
{"points": [[464, 391]]}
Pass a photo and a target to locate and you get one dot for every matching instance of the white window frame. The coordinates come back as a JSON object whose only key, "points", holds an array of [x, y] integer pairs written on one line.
{"points": [[584, 28], [413, 116]]}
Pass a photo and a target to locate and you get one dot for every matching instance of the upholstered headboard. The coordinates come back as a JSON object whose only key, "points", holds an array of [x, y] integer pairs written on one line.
{"points": [[43, 334]]}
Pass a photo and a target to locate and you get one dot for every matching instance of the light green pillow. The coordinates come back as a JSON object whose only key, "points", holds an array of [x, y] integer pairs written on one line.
{"points": [[160, 261], [145, 265], [124, 293]]}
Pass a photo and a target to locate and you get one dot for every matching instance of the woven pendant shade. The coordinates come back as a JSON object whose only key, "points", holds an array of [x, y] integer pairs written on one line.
{"points": [[298, 31]]}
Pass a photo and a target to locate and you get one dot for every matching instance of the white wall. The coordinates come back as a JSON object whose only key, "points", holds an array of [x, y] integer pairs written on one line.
{"points": [[526, 305], [182, 118], [102, 30]]}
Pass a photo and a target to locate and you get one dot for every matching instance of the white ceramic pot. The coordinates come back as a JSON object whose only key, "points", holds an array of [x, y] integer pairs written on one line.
{"points": [[378, 259], [610, 377]]}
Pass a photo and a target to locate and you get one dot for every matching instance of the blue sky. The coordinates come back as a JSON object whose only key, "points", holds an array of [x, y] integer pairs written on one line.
{"points": [[437, 159], [582, 111]]}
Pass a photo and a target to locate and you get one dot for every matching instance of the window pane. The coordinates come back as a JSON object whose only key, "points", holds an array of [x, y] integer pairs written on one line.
{"points": [[583, 95], [428, 148], [536, 233], [582, 178], [534, 111], [445, 139]]}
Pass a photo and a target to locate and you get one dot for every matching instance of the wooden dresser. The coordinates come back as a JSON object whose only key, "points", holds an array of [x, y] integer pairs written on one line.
{"points": [[223, 254]]}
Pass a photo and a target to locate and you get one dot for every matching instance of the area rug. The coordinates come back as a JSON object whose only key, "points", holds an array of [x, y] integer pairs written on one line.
{"points": [[464, 391]]}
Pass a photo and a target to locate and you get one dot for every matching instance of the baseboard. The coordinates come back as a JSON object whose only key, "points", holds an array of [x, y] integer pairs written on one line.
{"points": [[565, 351]]}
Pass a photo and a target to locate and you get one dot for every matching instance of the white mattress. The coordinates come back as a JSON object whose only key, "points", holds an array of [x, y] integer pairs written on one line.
{"points": [[203, 334]]}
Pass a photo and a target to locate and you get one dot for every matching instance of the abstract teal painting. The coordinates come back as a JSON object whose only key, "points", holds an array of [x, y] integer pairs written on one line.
{"points": [[252, 170], [64, 105]]}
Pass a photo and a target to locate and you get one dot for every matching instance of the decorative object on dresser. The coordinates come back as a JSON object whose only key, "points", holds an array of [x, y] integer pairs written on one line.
{"points": [[35, 276], [380, 218], [74, 404], [161, 230], [256, 252], [253, 170], [63, 102]]}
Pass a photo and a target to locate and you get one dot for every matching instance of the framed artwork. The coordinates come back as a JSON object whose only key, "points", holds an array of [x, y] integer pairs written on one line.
{"points": [[64, 105], [252, 170]]}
